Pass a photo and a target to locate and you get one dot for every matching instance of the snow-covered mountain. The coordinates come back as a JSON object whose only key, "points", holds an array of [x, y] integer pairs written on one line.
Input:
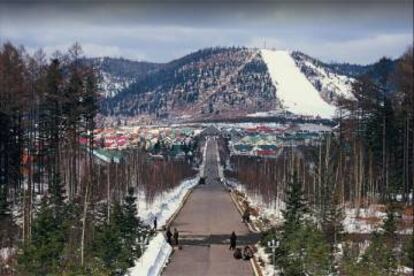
{"points": [[229, 82]]}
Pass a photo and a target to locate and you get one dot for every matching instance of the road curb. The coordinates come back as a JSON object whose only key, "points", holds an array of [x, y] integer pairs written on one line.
{"points": [[240, 210], [256, 267], [253, 262], [182, 203]]}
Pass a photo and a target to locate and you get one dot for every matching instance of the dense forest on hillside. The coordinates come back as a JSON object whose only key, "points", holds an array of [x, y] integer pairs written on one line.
{"points": [[209, 82], [62, 210]]}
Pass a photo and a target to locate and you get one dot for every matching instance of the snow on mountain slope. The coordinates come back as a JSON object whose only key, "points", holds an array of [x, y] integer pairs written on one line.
{"points": [[294, 91], [329, 84], [112, 85]]}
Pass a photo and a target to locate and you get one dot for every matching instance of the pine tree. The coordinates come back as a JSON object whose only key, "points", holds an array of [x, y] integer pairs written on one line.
{"points": [[389, 226], [303, 249], [8, 228], [4, 203], [379, 258], [42, 255], [110, 245], [408, 252], [295, 205], [332, 222], [131, 226]]}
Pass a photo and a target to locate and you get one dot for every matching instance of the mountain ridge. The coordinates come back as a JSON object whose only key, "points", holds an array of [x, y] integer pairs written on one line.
{"points": [[220, 82]]}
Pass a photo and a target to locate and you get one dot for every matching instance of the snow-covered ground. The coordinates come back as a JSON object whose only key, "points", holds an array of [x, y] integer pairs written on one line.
{"points": [[265, 114], [354, 223], [267, 269], [165, 204], [366, 221], [271, 212], [154, 258], [293, 89]]}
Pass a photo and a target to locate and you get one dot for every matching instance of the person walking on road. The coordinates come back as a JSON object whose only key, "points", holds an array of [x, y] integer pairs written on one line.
{"points": [[176, 236], [169, 235], [233, 240], [155, 223]]}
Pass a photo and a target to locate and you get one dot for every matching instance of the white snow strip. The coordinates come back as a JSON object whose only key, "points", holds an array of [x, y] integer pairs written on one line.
{"points": [[164, 205], [154, 258], [293, 89], [220, 167]]}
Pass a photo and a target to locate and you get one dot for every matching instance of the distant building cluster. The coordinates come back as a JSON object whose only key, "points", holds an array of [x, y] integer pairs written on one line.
{"points": [[158, 141], [268, 141]]}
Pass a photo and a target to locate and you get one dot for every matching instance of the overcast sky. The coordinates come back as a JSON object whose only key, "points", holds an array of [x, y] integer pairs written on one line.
{"points": [[335, 30]]}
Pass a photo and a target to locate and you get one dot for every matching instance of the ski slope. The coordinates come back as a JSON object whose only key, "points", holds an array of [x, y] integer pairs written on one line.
{"points": [[293, 89]]}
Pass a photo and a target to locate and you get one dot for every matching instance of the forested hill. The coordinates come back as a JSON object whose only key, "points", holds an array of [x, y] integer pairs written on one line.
{"points": [[222, 83], [118, 73], [208, 82]]}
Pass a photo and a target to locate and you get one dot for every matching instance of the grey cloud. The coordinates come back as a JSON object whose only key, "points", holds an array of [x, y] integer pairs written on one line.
{"points": [[332, 30]]}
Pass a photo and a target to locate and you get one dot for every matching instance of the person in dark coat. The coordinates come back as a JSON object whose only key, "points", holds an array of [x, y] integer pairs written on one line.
{"points": [[155, 223], [233, 240], [176, 236], [169, 235]]}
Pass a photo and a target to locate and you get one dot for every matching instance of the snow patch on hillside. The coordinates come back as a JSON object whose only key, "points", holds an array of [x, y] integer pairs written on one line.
{"points": [[293, 89], [327, 82], [112, 85]]}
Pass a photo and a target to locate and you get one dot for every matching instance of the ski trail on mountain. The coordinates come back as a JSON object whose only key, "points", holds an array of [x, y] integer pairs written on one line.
{"points": [[293, 89]]}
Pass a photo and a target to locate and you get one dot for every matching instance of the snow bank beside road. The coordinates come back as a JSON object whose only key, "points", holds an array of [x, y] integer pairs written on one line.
{"points": [[154, 258], [164, 205], [272, 212]]}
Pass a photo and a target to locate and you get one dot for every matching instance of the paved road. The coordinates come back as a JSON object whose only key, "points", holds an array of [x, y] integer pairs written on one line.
{"points": [[205, 224]]}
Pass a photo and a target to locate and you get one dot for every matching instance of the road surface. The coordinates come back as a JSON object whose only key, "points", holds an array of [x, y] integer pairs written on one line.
{"points": [[205, 224]]}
